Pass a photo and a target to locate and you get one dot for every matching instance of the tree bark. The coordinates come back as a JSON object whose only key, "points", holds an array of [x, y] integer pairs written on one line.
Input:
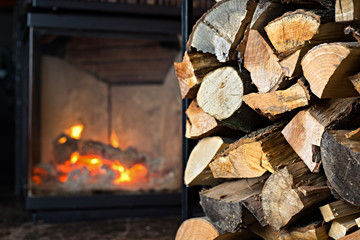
{"points": [[223, 204], [340, 158]]}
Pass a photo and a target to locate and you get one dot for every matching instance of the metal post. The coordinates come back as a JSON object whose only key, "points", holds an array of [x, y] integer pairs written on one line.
{"points": [[186, 25]]}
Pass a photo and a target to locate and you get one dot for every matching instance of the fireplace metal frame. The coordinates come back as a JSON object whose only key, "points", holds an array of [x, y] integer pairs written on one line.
{"points": [[59, 208]]}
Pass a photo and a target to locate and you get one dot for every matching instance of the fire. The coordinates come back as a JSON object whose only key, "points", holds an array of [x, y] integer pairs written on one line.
{"points": [[93, 166], [75, 131], [114, 140]]}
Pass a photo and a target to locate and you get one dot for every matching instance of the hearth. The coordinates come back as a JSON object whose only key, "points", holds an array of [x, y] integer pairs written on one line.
{"points": [[99, 115]]}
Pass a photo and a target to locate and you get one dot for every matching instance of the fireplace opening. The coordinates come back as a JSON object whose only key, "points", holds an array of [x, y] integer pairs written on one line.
{"points": [[108, 117]]}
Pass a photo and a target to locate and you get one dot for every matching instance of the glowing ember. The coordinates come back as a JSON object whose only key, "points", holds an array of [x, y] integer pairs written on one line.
{"points": [[62, 140], [114, 140], [74, 157], [75, 131]]}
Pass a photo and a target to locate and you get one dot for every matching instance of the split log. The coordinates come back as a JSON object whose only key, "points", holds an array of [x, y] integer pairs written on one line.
{"points": [[355, 32], [326, 115], [336, 210], [197, 171], [220, 30], [259, 59], [340, 158], [274, 104], [220, 95], [192, 69], [223, 204], [197, 229], [352, 236], [355, 80], [284, 201], [200, 124], [289, 32], [311, 231], [327, 65], [254, 154], [357, 220], [340, 227], [347, 10], [290, 64], [353, 135], [253, 205], [204, 229]]}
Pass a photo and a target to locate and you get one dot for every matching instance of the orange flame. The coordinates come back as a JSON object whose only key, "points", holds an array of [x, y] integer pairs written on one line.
{"points": [[74, 157], [75, 131], [62, 140], [114, 140]]}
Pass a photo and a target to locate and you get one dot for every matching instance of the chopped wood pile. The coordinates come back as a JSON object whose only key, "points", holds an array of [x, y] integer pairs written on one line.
{"points": [[275, 106]]}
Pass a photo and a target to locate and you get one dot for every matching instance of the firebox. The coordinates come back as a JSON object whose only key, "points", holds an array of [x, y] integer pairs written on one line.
{"points": [[100, 114]]}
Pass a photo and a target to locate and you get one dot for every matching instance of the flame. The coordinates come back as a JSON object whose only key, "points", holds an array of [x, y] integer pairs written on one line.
{"points": [[114, 140], [74, 157], [62, 140], [75, 131]]}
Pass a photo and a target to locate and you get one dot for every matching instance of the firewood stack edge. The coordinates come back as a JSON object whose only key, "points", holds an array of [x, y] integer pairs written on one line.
{"points": [[275, 108]]}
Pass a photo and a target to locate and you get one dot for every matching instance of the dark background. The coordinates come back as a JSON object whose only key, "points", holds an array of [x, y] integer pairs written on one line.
{"points": [[7, 98]]}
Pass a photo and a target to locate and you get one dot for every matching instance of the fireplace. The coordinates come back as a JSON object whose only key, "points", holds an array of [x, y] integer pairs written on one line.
{"points": [[99, 115]]}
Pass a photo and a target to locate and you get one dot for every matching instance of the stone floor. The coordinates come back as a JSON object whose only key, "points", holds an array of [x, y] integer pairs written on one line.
{"points": [[15, 224]]}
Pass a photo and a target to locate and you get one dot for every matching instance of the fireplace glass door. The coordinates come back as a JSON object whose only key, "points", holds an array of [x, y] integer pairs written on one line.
{"points": [[105, 116]]}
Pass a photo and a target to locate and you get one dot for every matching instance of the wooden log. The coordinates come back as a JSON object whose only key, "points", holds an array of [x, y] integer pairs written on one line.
{"points": [[197, 171], [355, 80], [352, 236], [253, 155], [310, 231], [290, 64], [340, 227], [221, 92], [223, 204], [274, 104], [220, 30], [336, 210], [315, 120], [259, 59], [200, 124], [197, 229], [289, 32], [353, 135], [326, 65], [355, 32], [220, 95], [347, 10], [340, 158], [357, 220], [192, 69], [253, 205], [285, 184]]}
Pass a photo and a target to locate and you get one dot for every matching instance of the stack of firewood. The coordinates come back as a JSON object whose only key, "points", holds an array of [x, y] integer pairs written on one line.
{"points": [[274, 89]]}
